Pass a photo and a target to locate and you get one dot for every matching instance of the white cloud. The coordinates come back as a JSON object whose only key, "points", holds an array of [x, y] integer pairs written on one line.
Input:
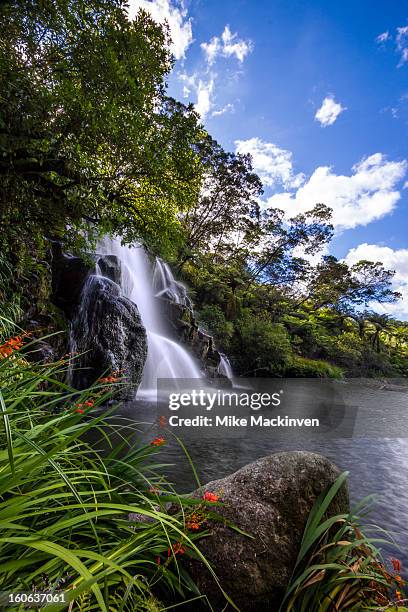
{"points": [[273, 164], [176, 16], [211, 49], [228, 108], [392, 260], [402, 44], [203, 88], [329, 111], [232, 45], [227, 45], [204, 97], [368, 194], [382, 38]]}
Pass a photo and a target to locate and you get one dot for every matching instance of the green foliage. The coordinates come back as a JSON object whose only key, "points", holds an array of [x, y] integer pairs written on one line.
{"points": [[339, 567], [213, 319], [303, 367], [73, 518], [262, 348], [89, 141]]}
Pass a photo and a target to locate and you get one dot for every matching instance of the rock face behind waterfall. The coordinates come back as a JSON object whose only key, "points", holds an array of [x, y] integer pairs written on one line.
{"points": [[270, 500], [109, 333]]}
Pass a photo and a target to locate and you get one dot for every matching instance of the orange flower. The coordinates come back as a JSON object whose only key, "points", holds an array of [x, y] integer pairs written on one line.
{"points": [[396, 564], [211, 497], [158, 441], [108, 379], [79, 410], [11, 345], [399, 579], [162, 421], [193, 526], [398, 595], [177, 549]]}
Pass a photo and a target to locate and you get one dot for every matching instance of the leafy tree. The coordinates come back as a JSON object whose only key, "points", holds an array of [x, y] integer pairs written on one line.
{"points": [[333, 283], [275, 260], [227, 207], [89, 142], [262, 348]]}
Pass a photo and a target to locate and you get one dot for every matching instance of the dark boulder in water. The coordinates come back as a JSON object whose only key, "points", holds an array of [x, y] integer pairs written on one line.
{"points": [[108, 335]]}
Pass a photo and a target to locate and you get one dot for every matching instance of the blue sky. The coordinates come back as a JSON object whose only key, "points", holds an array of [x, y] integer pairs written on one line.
{"points": [[318, 93]]}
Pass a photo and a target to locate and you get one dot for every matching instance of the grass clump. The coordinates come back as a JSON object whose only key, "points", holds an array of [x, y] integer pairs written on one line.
{"points": [[73, 518], [339, 566]]}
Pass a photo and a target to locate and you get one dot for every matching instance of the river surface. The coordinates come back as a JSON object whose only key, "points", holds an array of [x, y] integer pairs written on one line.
{"points": [[376, 455]]}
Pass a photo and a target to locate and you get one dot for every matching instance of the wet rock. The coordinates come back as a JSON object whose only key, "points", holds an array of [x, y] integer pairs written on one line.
{"points": [[69, 274], [41, 352], [111, 267], [109, 337], [270, 500]]}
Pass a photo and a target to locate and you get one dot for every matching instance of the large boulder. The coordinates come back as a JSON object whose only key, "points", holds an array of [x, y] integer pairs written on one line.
{"points": [[270, 500], [108, 335]]}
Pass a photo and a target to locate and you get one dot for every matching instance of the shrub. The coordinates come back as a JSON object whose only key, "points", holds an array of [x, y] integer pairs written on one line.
{"points": [[302, 367], [339, 567], [264, 347], [213, 319]]}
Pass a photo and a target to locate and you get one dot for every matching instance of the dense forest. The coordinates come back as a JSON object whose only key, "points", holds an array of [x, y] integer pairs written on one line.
{"points": [[92, 144]]}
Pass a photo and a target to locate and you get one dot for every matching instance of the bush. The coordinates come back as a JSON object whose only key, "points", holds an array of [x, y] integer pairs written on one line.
{"points": [[263, 347], [214, 321], [302, 367]]}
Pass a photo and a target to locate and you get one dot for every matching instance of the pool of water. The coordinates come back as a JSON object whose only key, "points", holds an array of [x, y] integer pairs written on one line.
{"points": [[375, 456]]}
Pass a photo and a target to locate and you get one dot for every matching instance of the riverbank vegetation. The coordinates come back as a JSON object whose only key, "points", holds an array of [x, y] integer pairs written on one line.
{"points": [[82, 509]]}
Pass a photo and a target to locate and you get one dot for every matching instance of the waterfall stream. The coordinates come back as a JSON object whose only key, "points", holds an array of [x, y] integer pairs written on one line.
{"points": [[166, 358]]}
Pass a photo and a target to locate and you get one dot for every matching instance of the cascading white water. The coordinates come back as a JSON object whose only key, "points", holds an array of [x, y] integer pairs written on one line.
{"points": [[224, 367], [165, 285], [165, 357]]}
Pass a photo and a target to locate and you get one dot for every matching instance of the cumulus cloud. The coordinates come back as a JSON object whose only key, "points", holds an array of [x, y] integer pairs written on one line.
{"points": [[203, 87], [174, 14], [329, 111], [203, 81], [273, 164], [367, 194], [393, 260], [227, 45]]}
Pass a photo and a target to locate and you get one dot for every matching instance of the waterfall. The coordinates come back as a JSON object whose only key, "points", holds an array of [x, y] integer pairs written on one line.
{"points": [[165, 357], [224, 367], [165, 285]]}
